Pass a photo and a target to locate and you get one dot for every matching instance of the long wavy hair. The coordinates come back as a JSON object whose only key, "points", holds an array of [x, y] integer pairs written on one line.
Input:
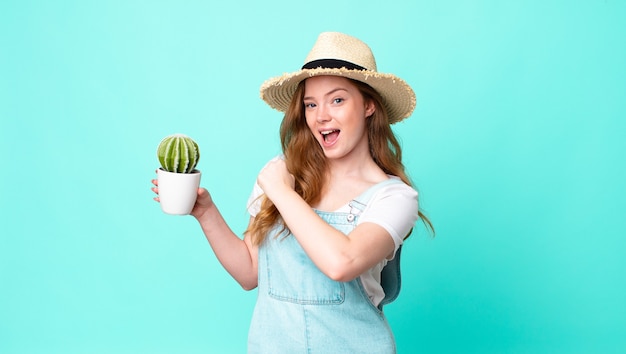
{"points": [[310, 168]]}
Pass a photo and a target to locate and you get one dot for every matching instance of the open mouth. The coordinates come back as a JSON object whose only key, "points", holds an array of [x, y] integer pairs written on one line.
{"points": [[330, 136]]}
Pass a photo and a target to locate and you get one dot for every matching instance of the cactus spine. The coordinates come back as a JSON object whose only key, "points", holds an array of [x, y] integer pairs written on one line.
{"points": [[178, 153]]}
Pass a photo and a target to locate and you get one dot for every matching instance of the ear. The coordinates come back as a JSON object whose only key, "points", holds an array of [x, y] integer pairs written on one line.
{"points": [[370, 108]]}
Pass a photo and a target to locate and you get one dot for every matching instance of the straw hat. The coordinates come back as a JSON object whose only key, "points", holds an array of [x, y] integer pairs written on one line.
{"points": [[338, 54]]}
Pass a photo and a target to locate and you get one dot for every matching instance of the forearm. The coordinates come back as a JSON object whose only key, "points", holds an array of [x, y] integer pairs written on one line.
{"points": [[341, 257], [231, 251], [328, 248]]}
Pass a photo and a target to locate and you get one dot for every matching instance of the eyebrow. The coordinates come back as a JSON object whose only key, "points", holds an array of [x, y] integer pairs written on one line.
{"points": [[327, 93]]}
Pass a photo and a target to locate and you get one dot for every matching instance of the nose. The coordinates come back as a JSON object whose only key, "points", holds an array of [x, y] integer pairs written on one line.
{"points": [[321, 115]]}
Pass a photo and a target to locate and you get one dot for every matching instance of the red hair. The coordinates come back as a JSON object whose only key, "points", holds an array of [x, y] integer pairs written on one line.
{"points": [[310, 169]]}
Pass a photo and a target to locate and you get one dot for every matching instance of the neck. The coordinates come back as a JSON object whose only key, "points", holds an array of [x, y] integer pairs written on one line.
{"points": [[354, 169], [347, 179]]}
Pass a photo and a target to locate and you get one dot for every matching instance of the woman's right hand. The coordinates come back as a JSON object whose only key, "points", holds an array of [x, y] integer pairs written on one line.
{"points": [[203, 201]]}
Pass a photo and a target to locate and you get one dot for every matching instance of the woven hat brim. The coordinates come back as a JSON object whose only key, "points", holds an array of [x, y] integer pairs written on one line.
{"points": [[398, 97]]}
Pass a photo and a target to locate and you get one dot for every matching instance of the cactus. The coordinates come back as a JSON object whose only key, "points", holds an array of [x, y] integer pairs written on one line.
{"points": [[178, 153]]}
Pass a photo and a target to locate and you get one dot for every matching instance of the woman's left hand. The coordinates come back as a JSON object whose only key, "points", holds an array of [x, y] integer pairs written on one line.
{"points": [[275, 177]]}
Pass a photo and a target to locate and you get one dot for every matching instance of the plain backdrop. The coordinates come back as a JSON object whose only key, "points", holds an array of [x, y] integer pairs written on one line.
{"points": [[516, 146]]}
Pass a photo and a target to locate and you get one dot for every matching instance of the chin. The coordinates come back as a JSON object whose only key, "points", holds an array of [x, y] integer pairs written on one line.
{"points": [[332, 154]]}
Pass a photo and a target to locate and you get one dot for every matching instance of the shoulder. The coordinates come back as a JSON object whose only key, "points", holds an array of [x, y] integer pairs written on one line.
{"points": [[394, 206], [395, 188], [395, 197]]}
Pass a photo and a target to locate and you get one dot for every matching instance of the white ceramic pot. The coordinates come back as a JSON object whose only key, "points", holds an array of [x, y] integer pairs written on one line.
{"points": [[178, 191]]}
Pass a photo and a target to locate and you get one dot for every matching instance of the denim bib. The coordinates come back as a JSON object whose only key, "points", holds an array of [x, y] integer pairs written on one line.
{"points": [[300, 310]]}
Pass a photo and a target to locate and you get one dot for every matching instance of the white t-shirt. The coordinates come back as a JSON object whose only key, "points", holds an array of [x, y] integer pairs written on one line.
{"points": [[393, 207]]}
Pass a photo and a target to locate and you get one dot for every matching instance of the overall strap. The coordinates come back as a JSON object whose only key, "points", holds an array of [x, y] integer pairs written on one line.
{"points": [[390, 276]]}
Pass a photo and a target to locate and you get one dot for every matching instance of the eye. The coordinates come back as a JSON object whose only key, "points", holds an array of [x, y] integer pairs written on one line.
{"points": [[309, 105], [338, 100]]}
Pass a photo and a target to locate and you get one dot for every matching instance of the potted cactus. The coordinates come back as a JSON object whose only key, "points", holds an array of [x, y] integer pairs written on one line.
{"points": [[177, 177]]}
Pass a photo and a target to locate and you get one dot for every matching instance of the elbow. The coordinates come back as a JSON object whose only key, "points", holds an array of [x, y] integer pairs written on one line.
{"points": [[341, 277], [341, 271], [248, 286]]}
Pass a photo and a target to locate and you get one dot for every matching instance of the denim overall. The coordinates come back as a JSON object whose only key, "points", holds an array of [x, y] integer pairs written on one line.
{"points": [[301, 310]]}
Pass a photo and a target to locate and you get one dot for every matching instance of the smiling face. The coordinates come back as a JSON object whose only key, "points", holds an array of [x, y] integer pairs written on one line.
{"points": [[336, 114]]}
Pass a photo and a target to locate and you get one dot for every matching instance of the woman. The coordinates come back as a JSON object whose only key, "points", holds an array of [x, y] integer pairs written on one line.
{"points": [[329, 214]]}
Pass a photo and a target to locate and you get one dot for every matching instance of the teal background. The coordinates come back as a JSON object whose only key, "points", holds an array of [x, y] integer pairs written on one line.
{"points": [[517, 147]]}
